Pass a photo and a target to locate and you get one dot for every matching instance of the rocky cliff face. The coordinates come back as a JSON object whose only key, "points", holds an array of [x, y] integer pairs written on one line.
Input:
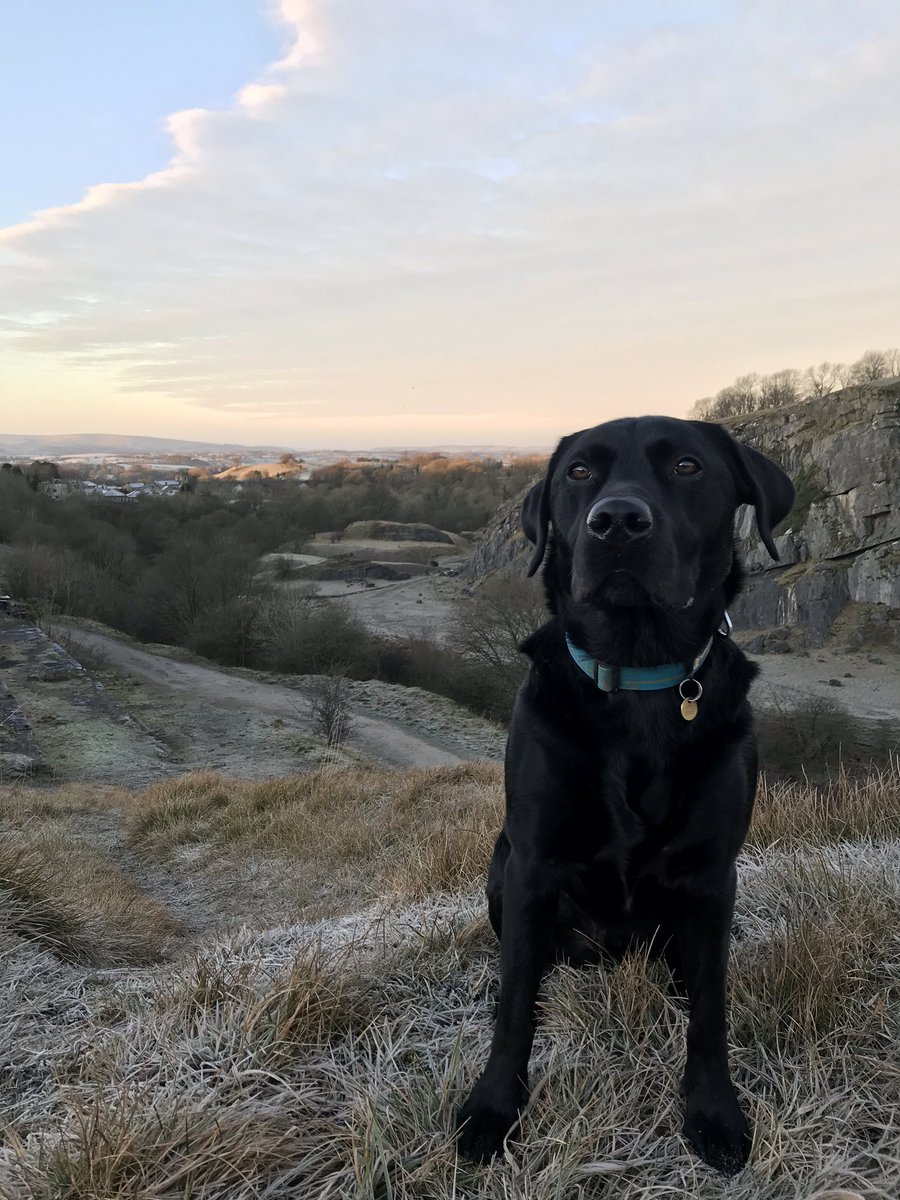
{"points": [[501, 545], [840, 546], [839, 568]]}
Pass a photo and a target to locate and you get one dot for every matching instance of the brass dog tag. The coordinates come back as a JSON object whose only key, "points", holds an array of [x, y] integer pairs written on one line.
{"points": [[689, 703]]}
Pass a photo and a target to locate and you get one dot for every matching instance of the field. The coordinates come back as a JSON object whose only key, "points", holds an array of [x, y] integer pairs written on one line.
{"points": [[231, 988]]}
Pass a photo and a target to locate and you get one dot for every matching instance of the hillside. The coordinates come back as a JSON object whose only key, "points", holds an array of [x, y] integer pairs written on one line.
{"points": [[241, 963]]}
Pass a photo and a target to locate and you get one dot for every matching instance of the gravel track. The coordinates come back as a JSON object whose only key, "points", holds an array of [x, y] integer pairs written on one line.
{"points": [[413, 728]]}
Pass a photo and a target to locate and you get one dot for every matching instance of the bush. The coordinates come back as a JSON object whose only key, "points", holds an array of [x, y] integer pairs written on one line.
{"points": [[228, 633], [302, 634], [422, 662], [54, 579]]}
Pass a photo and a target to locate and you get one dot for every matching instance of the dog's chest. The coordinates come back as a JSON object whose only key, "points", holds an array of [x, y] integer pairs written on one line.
{"points": [[628, 842]]}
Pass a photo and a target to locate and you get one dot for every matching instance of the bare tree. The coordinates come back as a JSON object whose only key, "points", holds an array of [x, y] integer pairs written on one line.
{"points": [[489, 625], [871, 366], [751, 392], [738, 399], [823, 379], [746, 390], [329, 704], [782, 387]]}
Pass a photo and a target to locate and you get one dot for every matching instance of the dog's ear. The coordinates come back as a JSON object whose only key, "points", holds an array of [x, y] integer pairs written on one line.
{"points": [[535, 518], [536, 508], [762, 483]]}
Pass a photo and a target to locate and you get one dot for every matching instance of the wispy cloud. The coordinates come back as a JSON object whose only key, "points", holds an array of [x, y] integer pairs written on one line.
{"points": [[450, 210]]}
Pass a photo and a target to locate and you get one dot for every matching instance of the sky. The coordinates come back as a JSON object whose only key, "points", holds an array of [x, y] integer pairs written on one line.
{"points": [[319, 223]]}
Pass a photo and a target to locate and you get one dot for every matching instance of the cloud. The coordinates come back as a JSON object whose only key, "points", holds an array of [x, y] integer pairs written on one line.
{"points": [[480, 204]]}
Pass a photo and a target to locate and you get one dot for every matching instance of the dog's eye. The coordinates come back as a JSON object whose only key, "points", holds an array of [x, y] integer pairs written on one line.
{"points": [[578, 471], [687, 466]]}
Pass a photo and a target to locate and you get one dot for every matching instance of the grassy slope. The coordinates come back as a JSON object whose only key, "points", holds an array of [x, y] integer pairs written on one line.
{"points": [[323, 1055]]}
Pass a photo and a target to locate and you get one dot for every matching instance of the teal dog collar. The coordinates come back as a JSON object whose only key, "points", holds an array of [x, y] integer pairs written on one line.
{"points": [[641, 679]]}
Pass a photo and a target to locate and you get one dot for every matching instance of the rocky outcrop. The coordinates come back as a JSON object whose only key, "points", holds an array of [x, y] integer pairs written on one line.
{"points": [[396, 531], [501, 546], [391, 572], [839, 547]]}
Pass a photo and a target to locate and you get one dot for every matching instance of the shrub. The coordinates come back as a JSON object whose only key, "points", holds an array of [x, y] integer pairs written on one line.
{"points": [[302, 634]]}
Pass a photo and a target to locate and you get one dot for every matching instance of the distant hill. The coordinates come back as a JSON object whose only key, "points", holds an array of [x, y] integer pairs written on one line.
{"points": [[123, 445], [21, 445], [269, 470]]}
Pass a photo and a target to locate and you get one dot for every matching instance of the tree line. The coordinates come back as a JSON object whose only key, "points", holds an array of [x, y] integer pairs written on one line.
{"points": [[185, 570], [753, 392]]}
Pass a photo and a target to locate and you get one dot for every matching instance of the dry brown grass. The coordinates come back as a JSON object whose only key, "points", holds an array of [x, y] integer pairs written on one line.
{"points": [[130, 1150], [847, 808], [122, 921], [74, 901], [20, 802], [325, 1060], [336, 1073], [359, 833], [826, 954], [318, 996], [31, 906]]}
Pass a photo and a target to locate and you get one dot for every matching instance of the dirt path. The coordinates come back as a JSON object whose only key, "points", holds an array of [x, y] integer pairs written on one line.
{"points": [[866, 684], [213, 709], [412, 606]]}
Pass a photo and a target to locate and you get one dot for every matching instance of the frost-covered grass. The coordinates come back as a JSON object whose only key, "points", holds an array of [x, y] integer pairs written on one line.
{"points": [[323, 1057]]}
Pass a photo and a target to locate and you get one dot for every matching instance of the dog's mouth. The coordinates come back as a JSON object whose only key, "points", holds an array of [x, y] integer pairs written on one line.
{"points": [[617, 589], [623, 589]]}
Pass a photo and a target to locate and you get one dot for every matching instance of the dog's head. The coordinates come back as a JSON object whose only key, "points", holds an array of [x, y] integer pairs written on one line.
{"points": [[642, 510]]}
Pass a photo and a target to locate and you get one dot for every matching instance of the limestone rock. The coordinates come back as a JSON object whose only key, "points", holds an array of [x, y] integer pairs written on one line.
{"points": [[843, 453]]}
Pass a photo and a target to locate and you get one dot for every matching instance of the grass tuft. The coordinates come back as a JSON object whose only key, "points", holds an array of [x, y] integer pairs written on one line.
{"points": [[31, 907]]}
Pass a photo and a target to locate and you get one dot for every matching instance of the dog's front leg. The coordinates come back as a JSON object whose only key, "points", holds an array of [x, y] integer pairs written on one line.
{"points": [[713, 1123], [529, 914]]}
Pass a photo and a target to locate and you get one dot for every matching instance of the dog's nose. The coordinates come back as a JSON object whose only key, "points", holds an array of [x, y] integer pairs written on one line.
{"points": [[618, 520]]}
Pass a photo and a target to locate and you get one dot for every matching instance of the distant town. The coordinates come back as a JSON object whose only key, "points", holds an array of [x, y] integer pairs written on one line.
{"points": [[123, 470]]}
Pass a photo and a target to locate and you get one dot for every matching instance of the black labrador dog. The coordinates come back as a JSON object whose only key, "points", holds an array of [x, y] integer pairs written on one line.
{"points": [[631, 759]]}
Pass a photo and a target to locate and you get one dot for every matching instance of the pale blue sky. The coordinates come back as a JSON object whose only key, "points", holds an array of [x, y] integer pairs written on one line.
{"points": [[85, 87], [336, 221]]}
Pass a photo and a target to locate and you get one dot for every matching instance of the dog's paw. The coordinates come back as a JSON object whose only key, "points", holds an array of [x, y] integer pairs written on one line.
{"points": [[719, 1134], [484, 1120]]}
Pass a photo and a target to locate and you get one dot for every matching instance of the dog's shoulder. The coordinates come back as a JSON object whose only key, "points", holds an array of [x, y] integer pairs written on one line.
{"points": [[546, 645]]}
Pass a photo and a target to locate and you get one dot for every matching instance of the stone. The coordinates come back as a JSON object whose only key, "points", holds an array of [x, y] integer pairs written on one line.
{"points": [[843, 453], [21, 766]]}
